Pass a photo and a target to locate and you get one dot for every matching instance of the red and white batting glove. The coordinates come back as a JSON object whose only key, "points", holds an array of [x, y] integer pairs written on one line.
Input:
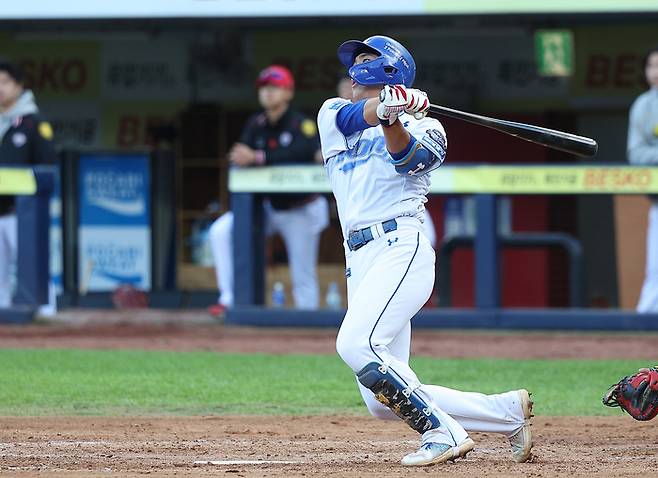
{"points": [[418, 104], [415, 102], [393, 100]]}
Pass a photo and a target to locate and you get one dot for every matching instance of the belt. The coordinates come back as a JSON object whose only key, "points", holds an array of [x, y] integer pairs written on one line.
{"points": [[360, 238]]}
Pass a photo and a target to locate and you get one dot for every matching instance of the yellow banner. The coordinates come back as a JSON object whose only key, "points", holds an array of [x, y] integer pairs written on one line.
{"points": [[17, 181], [555, 6], [545, 180], [470, 180], [279, 179]]}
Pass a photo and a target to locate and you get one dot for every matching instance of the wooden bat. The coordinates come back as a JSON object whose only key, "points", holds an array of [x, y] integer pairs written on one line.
{"points": [[571, 143]]}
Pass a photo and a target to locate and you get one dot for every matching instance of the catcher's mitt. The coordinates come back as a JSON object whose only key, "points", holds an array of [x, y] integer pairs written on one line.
{"points": [[637, 394]]}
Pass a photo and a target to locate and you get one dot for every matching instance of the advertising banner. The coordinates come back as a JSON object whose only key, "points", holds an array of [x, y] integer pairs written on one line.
{"points": [[134, 70], [114, 234], [17, 181], [609, 63], [470, 180]]}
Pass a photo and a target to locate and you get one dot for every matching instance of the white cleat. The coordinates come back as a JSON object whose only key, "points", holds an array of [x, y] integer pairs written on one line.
{"points": [[432, 453], [521, 441]]}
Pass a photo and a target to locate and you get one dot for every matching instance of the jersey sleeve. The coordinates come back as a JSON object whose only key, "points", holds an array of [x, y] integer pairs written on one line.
{"points": [[332, 140]]}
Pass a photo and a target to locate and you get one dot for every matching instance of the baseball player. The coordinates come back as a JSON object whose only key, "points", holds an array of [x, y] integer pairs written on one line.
{"points": [[379, 150], [26, 138], [642, 150], [278, 135]]}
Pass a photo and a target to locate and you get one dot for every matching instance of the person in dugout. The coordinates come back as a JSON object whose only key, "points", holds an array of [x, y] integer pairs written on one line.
{"points": [[25, 139], [642, 150], [278, 135]]}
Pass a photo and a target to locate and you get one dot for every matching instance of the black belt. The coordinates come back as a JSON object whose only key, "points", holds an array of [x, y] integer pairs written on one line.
{"points": [[360, 238]]}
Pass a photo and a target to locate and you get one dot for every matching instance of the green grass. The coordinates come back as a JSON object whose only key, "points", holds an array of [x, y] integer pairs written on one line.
{"points": [[91, 382]]}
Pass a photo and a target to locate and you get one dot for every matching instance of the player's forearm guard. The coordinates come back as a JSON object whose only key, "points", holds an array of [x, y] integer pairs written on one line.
{"points": [[423, 156], [405, 402]]}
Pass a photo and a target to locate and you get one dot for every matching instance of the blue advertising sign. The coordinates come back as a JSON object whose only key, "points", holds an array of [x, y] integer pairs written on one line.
{"points": [[115, 190], [114, 221]]}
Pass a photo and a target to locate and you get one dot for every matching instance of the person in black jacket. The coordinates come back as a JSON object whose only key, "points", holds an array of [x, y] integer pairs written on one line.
{"points": [[278, 135], [25, 139]]}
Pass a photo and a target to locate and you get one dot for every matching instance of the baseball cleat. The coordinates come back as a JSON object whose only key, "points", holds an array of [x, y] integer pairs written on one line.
{"points": [[432, 453], [521, 441]]}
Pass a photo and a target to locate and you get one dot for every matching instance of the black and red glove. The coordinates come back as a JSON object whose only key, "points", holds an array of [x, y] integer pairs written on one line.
{"points": [[636, 394]]}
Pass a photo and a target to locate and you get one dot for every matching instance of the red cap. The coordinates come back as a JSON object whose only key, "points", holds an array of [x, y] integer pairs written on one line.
{"points": [[276, 75]]}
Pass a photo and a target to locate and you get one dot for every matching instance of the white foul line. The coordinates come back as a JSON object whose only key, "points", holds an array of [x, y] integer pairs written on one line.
{"points": [[246, 462]]}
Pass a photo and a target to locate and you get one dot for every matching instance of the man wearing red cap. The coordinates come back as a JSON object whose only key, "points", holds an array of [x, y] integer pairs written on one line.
{"points": [[278, 135]]}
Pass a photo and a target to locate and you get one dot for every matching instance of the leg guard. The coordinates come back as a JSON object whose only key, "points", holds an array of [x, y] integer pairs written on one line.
{"points": [[403, 400]]}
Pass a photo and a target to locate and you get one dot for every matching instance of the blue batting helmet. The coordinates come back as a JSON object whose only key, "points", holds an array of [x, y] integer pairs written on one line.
{"points": [[394, 64]]}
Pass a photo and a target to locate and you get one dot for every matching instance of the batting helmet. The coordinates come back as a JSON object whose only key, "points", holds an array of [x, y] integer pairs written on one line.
{"points": [[394, 64]]}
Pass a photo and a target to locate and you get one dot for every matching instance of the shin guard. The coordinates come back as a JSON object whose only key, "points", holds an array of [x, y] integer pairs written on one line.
{"points": [[404, 401]]}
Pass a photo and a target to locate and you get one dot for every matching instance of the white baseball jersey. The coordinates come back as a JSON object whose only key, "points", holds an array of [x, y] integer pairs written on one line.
{"points": [[367, 188]]}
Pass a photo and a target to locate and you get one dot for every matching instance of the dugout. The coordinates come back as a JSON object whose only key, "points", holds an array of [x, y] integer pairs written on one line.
{"points": [[180, 84]]}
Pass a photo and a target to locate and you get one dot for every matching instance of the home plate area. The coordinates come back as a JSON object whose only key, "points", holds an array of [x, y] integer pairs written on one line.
{"points": [[337, 446]]}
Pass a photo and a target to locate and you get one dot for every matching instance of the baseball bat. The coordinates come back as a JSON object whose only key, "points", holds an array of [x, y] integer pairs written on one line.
{"points": [[571, 143]]}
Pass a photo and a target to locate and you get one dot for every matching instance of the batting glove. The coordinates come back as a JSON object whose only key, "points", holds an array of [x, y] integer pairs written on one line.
{"points": [[418, 104], [392, 101]]}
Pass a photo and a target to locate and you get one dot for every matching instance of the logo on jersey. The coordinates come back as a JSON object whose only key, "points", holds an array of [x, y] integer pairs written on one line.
{"points": [[46, 131], [308, 128], [337, 104], [19, 139], [285, 139], [365, 150]]}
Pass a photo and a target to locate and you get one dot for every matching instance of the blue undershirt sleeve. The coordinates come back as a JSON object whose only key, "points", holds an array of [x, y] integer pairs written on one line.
{"points": [[349, 118]]}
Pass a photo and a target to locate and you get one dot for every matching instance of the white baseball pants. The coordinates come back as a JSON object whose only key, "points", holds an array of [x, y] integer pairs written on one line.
{"points": [[8, 240], [389, 280], [648, 302], [300, 229]]}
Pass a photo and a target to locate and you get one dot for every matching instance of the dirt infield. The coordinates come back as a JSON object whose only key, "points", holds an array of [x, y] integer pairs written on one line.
{"points": [[311, 446]]}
